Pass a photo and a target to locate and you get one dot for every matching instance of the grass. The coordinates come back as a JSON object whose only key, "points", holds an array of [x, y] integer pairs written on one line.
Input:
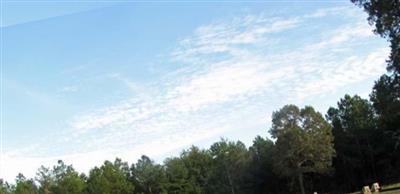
{"points": [[386, 187], [391, 192], [397, 185]]}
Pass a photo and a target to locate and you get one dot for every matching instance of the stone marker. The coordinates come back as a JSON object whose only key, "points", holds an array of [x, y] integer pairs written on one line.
{"points": [[366, 190], [375, 187]]}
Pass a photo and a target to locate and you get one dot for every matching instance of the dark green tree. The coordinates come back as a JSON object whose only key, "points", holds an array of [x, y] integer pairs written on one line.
{"points": [[260, 176], [177, 177], [61, 179], [356, 139], [229, 164], [5, 188], [199, 164], [110, 178], [385, 98], [386, 101], [24, 186], [148, 177], [67, 180], [384, 15], [45, 179], [304, 142]]}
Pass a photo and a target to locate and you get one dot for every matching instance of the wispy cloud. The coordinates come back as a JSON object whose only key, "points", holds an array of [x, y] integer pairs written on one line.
{"points": [[228, 38], [227, 68]]}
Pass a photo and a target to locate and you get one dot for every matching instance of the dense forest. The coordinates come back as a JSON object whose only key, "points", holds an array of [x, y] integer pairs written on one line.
{"points": [[355, 143]]}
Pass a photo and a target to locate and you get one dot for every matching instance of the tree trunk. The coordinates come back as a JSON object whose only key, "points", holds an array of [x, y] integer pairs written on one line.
{"points": [[301, 183]]}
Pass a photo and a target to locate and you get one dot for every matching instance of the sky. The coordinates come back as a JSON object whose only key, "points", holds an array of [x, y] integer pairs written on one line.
{"points": [[91, 81]]}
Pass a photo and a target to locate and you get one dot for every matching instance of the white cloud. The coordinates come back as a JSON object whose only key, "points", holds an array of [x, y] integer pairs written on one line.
{"points": [[345, 35], [192, 98], [219, 38], [352, 70]]}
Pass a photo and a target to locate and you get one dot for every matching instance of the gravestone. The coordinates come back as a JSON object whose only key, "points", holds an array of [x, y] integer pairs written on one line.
{"points": [[375, 188], [366, 190]]}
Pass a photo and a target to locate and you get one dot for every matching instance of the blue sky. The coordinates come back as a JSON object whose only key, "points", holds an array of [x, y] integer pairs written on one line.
{"points": [[86, 82]]}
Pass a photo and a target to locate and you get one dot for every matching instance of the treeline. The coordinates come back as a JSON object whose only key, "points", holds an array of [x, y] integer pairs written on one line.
{"points": [[356, 143], [348, 149]]}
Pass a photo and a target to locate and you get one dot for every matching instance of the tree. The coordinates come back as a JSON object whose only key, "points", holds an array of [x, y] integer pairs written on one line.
{"points": [[229, 160], [260, 175], [45, 178], [384, 14], [67, 180], [304, 142], [148, 177], [110, 178], [386, 101], [199, 165], [177, 177], [385, 98], [4, 187], [24, 186], [61, 179], [356, 141], [386, 92]]}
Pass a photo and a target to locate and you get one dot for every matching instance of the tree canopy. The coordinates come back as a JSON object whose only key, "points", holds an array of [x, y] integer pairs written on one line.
{"points": [[304, 142], [385, 16]]}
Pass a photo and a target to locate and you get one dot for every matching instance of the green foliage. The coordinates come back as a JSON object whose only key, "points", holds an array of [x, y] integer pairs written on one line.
{"points": [[355, 134], [384, 14], [304, 142], [148, 177], [24, 186], [386, 102], [178, 177], [62, 179], [5, 188], [45, 178], [67, 180], [229, 159], [199, 165], [110, 178], [261, 157]]}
